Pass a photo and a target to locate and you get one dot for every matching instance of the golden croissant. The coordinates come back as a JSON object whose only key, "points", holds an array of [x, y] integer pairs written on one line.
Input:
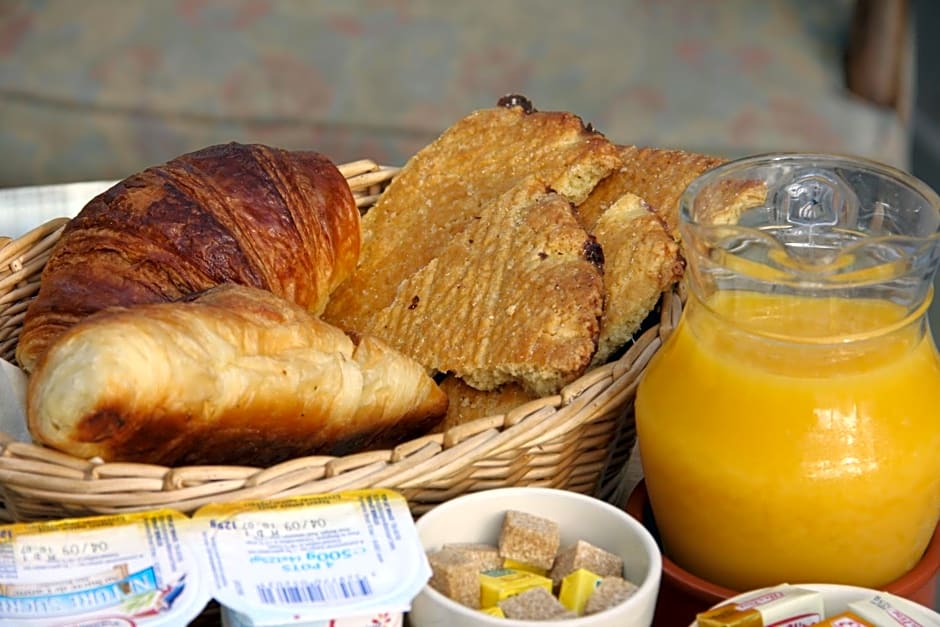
{"points": [[284, 221]]}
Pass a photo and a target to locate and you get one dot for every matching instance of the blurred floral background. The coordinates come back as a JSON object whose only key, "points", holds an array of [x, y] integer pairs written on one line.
{"points": [[102, 88]]}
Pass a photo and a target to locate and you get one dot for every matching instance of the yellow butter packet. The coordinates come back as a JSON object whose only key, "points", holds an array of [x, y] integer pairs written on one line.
{"points": [[529, 568], [494, 611], [576, 589], [501, 583]]}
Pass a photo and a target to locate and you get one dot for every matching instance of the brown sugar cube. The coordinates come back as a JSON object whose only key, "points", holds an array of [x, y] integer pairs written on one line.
{"points": [[610, 592], [585, 555], [534, 604], [529, 539], [455, 575], [487, 555]]}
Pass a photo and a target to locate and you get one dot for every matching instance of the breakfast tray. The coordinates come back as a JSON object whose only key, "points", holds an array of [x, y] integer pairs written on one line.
{"points": [[580, 439]]}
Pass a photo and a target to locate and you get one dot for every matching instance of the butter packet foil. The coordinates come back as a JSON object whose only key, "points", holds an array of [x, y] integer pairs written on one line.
{"points": [[350, 558], [783, 605], [122, 570], [887, 609]]}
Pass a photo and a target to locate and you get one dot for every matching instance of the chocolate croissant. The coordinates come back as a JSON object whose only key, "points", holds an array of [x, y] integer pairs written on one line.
{"points": [[283, 221], [235, 375]]}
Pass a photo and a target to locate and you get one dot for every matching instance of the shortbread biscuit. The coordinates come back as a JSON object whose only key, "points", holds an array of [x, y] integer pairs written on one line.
{"points": [[641, 261], [515, 296], [451, 183], [657, 175], [466, 403]]}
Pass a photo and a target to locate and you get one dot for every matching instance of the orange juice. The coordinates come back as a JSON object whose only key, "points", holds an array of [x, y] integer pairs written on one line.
{"points": [[770, 460]]}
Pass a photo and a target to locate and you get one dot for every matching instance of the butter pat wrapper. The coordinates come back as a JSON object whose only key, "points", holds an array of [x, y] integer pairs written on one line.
{"points": [[779, 605], [133, 569], [350, 558], [885, 609]]}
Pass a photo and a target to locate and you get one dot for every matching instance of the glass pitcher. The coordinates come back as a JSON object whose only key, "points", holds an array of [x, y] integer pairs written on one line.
{"points": [[789, 427]]}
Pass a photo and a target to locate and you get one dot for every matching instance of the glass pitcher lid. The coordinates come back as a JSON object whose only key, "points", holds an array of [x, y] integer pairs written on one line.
{"points": [[812, 223]]}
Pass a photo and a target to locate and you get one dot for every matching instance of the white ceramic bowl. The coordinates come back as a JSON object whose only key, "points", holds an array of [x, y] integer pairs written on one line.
{"points": [[477, 518], [836, 598]]}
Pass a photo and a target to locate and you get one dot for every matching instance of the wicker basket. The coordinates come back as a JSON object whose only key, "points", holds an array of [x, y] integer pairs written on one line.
{"points": [[580, 439]]}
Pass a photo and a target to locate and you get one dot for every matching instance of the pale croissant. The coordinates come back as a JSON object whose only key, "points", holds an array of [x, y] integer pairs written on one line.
{"points": [[234, 376]]}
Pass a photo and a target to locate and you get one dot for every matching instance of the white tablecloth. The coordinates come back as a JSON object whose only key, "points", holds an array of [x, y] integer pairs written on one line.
{"points": [[24, 208]]}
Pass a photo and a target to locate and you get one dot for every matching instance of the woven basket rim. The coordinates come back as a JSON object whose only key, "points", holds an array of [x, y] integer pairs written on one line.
{"points": [[57, 482]]}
